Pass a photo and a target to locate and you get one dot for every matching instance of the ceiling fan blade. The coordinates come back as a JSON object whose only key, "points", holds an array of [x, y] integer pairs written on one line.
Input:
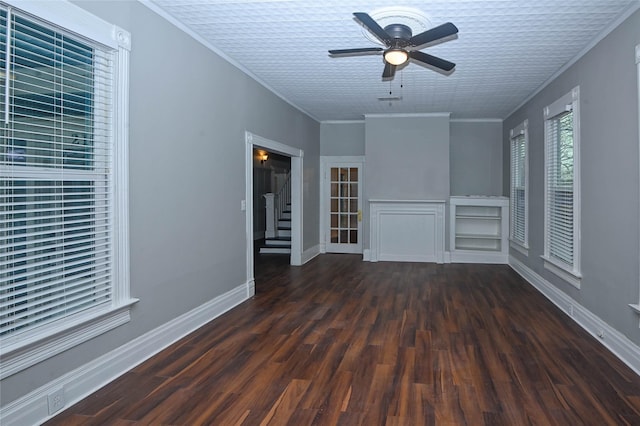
{"points": [[432, 60], [374, 27], [436, 33], [389, 70], [355, 51]]}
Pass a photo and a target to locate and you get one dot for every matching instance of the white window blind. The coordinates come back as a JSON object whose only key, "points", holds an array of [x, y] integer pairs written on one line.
{"points": [[560, 232], [562, 187], [519, 187], [56, 206]]}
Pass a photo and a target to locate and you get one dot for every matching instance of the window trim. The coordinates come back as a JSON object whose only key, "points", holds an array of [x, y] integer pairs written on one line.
{"points": [[569, 273], [521, 246], [20, 353]]}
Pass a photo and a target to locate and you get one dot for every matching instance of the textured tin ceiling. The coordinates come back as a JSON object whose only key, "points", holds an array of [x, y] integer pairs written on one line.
{"points": [[504, 51]]}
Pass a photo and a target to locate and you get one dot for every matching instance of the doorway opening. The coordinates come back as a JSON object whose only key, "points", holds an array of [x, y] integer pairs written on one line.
{"points": [[296, 155], [271, 205]]}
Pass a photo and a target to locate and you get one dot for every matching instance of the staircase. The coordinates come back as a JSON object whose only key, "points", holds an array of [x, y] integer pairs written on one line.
{"points": [[281, 243], [278, 211]]}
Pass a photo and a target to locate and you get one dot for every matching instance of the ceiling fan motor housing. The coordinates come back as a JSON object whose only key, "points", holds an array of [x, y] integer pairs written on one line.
{"points": [[400, 33]]}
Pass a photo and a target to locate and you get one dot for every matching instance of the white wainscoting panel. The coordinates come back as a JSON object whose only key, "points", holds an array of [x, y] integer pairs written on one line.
{"points": [[407, 230]]}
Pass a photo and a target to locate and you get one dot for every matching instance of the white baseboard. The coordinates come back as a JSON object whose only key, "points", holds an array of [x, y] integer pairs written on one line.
{"points": [[366, 255], [446, 258], [310, 253], [83, 381], [390, 257], [461, 256], [612, 339], [251, 288]]}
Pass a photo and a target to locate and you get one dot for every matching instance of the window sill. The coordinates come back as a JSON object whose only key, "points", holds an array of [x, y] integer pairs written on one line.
{"points": [[21, 354], [519, 247], [572, 277]]}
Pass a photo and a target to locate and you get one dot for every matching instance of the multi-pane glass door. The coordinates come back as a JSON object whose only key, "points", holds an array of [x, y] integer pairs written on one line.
{"points": [[345, 210]]}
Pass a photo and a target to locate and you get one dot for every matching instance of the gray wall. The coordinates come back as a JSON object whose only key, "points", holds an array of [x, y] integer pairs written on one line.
{"points": [[475, 152], [407, 157], [609, 148], [342, 138], [188, 108], [476, 157]]}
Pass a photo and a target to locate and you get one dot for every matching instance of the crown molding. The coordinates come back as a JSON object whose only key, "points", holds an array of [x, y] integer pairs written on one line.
{"points": [[342, 122], [163, 14], [414, 115], [476, 120], [633, 7]]}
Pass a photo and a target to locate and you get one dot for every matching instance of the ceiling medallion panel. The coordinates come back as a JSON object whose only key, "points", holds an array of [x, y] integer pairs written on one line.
{"points": [[411, 17]]}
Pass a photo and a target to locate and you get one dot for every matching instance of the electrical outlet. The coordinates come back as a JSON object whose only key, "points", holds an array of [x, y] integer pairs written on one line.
{"points": [[56, 400]]}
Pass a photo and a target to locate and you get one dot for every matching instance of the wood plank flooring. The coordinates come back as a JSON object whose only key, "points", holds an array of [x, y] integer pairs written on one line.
{"points": [[344, 342]]}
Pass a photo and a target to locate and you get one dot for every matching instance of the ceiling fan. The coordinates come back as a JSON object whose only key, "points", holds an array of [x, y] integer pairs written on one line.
{"points": [[401, 44]]}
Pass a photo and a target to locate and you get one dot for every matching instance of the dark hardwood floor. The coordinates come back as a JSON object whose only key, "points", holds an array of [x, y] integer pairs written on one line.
{"points": [[341, 341]]}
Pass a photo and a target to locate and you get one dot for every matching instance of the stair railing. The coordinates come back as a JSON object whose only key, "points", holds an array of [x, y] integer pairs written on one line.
{"points": [[275, 205]]}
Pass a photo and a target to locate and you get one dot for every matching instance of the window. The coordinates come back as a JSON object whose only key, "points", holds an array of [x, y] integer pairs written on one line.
{"points": [[562, 187], [63, 230], [519, 187]]}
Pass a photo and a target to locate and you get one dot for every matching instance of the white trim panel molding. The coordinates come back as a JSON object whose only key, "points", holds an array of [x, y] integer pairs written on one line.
{"points": [[83, 381], [407, 230], [627, 351]]}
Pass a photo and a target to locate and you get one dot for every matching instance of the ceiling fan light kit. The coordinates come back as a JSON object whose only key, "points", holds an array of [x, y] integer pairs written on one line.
{"points": [[396, 56], [401, 44]]}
